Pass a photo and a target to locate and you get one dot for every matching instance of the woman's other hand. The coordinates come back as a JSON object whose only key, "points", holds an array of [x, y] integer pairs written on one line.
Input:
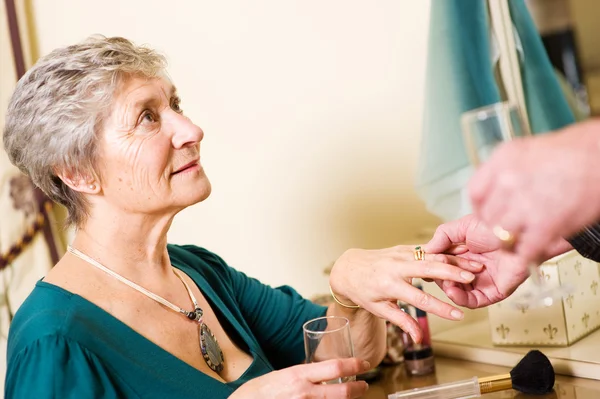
{"points": [[305, 381]]}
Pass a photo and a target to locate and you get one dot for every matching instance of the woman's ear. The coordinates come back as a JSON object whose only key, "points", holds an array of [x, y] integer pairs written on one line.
{"points": [[79, 182]]}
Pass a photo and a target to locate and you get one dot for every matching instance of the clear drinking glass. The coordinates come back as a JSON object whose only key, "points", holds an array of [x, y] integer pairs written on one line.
{"points": [[328, 338], [484, 128]]}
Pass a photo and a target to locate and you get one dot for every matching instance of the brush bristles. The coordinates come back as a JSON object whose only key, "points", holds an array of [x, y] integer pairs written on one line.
{"points": [[534, 374]]}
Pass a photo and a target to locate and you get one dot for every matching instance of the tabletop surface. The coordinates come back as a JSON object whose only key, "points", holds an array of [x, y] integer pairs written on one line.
{"points": [[394, 379]]}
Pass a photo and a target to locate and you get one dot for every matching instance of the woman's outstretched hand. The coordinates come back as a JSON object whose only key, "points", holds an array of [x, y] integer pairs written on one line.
{"points": [[377, 279]]}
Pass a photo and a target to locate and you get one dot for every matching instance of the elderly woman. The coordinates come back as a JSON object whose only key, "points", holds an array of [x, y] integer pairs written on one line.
{"points": [[98, 126]]}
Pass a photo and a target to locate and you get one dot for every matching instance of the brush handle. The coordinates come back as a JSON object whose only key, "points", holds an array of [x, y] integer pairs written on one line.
{"points": [[453, 390], [495, 383]]}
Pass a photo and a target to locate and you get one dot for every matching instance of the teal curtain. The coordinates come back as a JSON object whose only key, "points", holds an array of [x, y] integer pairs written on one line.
{"points": [[460, 77]]}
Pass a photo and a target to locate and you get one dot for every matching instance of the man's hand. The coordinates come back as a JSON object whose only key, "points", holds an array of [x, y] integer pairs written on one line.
{"points": [[541, 188], [503, 271]]}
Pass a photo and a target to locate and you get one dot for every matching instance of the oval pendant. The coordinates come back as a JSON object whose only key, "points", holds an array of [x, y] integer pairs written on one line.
{"points": [[211, 351]]}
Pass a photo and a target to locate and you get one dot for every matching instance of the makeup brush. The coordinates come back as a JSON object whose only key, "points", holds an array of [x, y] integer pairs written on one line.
{"points": [[534, 374]]}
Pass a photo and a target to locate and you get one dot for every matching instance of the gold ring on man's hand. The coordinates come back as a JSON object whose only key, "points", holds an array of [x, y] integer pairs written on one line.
{"points": [[507, 238]]}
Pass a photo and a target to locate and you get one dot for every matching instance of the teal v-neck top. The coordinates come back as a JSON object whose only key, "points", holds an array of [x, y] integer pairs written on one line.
{"points": [[61, 345]]}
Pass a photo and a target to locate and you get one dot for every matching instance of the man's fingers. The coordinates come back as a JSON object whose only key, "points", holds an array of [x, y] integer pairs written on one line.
{"points": [[457, 295], [472, 299], [440, 241], [446, 236], [532, 244], [484, 178]]}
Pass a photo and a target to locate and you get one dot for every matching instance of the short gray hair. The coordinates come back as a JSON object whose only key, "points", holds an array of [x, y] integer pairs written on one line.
{"points": [[58, 108]]}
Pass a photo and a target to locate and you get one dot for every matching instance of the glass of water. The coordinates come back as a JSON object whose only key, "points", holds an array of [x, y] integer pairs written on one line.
{"points": [[327, 338], [484, 128]]}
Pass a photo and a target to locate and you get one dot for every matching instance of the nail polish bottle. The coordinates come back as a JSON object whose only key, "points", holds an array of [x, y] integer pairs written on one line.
{"points": [[418, 358]]}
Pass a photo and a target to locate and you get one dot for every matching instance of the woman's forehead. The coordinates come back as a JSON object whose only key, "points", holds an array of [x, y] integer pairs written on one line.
{"points": [[137, 89], [133, 95]]}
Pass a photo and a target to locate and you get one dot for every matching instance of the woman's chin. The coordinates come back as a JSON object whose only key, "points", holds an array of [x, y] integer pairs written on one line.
{"points": [[200, 193]]}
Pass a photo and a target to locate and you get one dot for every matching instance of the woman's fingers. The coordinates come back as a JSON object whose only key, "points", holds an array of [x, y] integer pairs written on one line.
{"points": [[431, 304], [432, 269], [462, 262], [392, 313], [332, 369], [426, 302], [351, 390]]}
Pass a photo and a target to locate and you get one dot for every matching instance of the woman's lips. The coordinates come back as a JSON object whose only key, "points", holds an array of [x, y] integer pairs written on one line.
{"points": [[189, 167]]}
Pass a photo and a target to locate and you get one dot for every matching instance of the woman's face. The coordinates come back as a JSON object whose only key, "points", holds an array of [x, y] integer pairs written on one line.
{"points": [[149, 152]]}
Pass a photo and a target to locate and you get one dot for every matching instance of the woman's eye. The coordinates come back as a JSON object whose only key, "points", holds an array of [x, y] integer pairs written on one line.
{"points": [[148, 117], [175, 105]]}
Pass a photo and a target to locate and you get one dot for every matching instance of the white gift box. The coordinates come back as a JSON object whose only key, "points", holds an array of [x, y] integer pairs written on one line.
{"points": [[560, 324]]}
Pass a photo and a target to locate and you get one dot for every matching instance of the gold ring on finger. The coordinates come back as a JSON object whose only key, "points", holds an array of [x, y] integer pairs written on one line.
{"points": [[419, 253]]}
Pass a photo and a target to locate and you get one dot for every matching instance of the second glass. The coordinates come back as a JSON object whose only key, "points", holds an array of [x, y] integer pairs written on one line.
{"points": [[328, 338], [484, 128]]}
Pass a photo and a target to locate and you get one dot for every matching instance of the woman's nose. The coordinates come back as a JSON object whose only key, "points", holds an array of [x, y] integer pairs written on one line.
{"points": [[185, 133]]}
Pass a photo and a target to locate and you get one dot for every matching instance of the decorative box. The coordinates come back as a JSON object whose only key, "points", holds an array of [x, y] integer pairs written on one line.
{"points": [[565, 321]]}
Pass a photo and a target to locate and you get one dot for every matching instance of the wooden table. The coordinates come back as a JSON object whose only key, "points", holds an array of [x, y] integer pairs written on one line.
{"points": [[394, 379]]}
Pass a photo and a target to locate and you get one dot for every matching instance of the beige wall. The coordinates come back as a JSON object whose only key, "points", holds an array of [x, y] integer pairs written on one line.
{"points": [[312, 114], [7, 82], [7, 70], [585, 15]]}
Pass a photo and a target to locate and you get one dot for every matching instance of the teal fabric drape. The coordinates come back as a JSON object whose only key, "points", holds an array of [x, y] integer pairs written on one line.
{"points": [[460, 77]]}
